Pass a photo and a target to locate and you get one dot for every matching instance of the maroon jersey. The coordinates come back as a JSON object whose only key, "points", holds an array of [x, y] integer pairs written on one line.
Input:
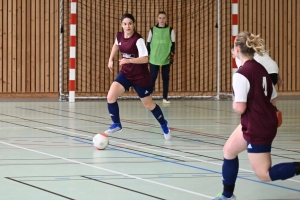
{"points": [[137, 74], [259, 121]]}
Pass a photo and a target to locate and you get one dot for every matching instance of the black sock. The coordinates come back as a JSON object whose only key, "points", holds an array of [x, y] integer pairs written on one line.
{"points": [[297, 167]]}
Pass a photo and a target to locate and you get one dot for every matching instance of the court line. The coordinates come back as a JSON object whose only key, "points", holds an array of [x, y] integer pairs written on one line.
{"points": [[138, 147], [39, 188], [140, 123], [108, 170], [195, 167], [125, 188]]}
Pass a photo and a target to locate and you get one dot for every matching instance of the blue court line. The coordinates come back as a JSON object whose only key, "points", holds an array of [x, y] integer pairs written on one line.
{"points": [[191, 166], [62, 178]]}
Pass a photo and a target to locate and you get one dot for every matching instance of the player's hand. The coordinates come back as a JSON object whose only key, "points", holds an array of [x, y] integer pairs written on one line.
{"points": [[171, 58], [124, 61], [279, 82], [111, 65]]}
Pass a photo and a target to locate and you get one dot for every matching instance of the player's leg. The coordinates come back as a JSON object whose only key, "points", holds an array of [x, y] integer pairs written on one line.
{"points": [[117, 88], [165, 73], [154, 69], [146, 98], [234, 145], [158, 114], [260, 159]]}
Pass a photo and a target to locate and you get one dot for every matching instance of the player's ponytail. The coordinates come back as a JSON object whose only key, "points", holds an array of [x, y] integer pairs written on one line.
{"points": [[250, 43]]}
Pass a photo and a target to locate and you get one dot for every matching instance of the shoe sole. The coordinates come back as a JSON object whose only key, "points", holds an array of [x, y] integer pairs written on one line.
{"points": [[168, 137], [112, 132]]}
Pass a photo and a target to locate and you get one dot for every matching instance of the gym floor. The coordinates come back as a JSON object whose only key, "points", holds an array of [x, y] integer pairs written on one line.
{"points": [[47, 153]]}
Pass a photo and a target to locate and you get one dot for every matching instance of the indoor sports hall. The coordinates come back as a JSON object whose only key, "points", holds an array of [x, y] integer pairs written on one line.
{"points": [[47, 151], [54, 82]]}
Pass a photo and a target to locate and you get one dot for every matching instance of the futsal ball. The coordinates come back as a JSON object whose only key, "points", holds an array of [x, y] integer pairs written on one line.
{"points": [[100, 141]]}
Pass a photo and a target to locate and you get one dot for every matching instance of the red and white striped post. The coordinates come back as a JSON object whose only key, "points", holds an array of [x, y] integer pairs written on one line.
{"points": [[72, 61], [234, 28]]}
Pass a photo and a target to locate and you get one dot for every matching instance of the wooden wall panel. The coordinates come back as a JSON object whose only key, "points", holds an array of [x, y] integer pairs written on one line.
{"points": [[29, 48], [30, 31], [277, 21]]}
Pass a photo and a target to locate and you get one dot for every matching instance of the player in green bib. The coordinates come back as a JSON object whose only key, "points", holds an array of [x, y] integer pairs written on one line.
{"points": [[161, 48]]}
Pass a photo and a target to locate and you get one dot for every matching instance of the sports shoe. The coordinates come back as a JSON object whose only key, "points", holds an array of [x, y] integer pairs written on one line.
{"points": [[166, 101], [115, 127], [221, 197], [279, 118], [166, 130]]}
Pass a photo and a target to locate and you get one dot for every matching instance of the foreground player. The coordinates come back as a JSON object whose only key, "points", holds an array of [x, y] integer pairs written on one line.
{"points": [[253, 91], [272, 68], [134, 73]]}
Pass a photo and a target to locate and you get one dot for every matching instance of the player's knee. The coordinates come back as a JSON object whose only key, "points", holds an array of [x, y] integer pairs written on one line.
{"points": [[263, 176], [229, 152], [149, 105], [111, 98]]}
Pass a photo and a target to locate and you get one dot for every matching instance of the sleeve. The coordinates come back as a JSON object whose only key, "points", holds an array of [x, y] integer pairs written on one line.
{"points": [[149, 36], [274, 93], [173, 37], [241, 87], [140, 44]]}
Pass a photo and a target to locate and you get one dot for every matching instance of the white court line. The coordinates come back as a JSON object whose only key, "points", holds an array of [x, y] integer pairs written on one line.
{"points": [[190, 158], [108, 170]]}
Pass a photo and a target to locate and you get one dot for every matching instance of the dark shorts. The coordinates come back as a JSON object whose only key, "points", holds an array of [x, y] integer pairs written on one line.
{"points": [[142, 91], [255, 148]]}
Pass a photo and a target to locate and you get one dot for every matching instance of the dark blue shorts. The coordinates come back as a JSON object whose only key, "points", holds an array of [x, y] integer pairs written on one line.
{"points": [[142, 91], [255, 148]]}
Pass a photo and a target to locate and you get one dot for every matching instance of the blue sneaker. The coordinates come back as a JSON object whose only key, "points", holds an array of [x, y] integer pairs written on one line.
{"points": [[221, 197], [115, 127], [166, 130]]}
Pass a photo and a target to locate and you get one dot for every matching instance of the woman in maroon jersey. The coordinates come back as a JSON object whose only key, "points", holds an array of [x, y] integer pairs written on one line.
{"points": [[253, 93], [134, 73]]}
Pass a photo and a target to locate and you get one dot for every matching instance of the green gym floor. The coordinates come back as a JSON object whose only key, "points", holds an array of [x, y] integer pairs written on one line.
{"points": [[46, 151]]}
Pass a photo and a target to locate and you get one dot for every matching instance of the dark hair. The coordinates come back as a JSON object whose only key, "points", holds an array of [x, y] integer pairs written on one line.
{"points": [[127, 15], [162, 12]]}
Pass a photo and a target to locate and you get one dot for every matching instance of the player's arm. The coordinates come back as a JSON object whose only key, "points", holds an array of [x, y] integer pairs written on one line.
{"points": [[239, 107], [241, 87], [143, 54], [274, 96], [279, 80], [149, 41], [173, 38], [172, 52], [114, 50]]}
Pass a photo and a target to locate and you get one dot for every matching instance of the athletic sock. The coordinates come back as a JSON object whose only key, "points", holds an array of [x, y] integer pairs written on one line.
{"points": [[230, 170], [158, 115], [113, 109], [282, 171], [297, 167]]}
